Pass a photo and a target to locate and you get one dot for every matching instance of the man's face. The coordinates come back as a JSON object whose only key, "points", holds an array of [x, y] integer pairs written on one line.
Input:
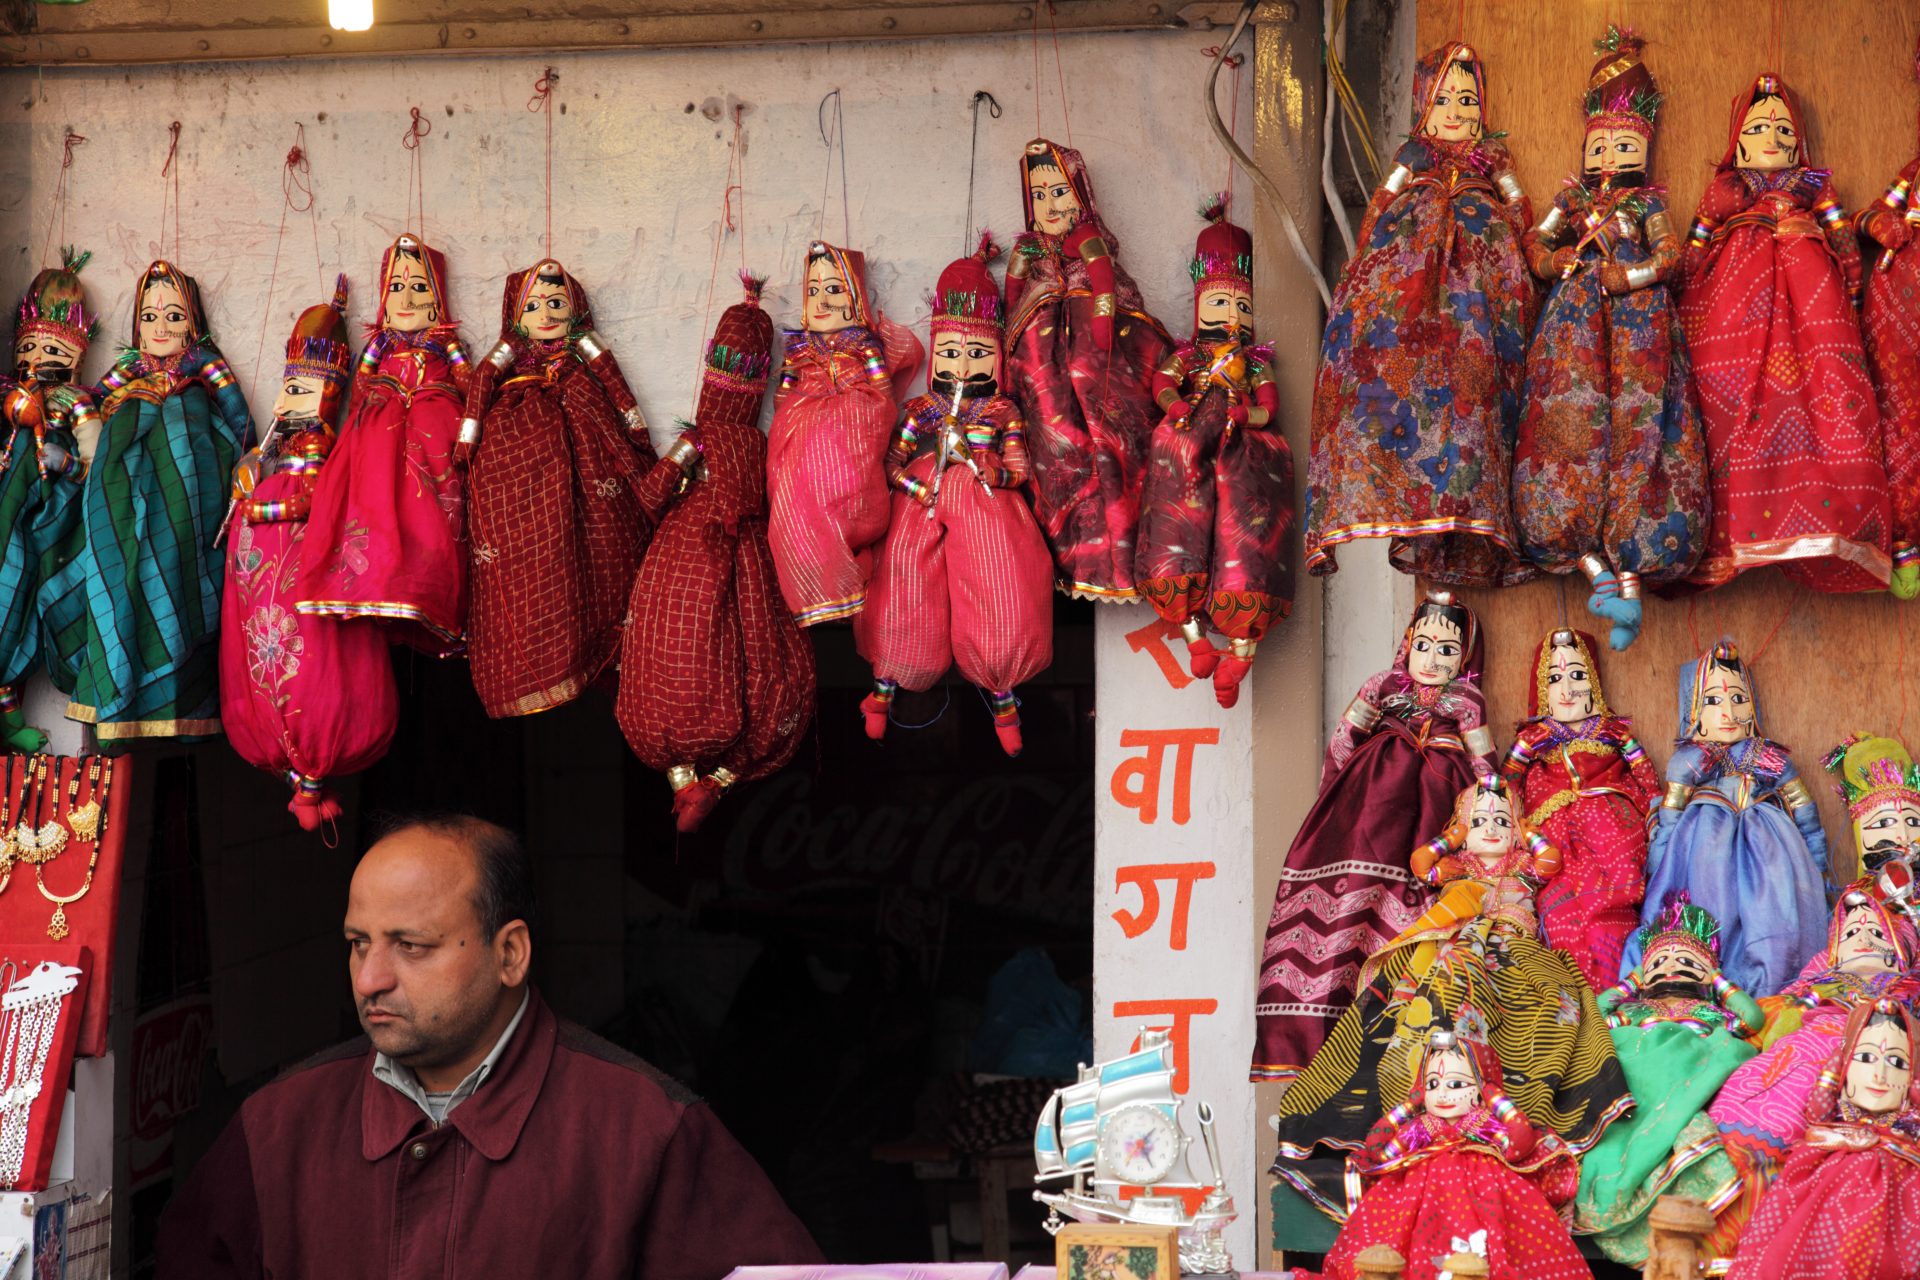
{"points": [[1614, 151], [426, 981], [299, 398], [1890, 829]]}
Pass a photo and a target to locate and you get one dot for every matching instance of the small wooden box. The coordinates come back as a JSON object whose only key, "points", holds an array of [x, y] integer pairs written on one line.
{"points": [[1100, 1251]]}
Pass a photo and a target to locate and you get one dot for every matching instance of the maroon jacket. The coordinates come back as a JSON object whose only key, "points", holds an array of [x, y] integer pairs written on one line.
{"points": [[574, 1159]]}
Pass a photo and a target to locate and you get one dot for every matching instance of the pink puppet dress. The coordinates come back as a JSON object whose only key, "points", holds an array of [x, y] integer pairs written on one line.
{"points": [[826, 454], [388, 525], [963, 577], [305, 697]]}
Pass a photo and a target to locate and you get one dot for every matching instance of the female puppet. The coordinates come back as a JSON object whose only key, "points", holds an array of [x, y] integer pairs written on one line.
{"points": [[554, 446], [388, 531], [1459, 1161], [1772, 267], [175, 420], [716, 680], [1081, 351], [1680, 1028], [1588, 788], [1847, 1204], [1216, 508], [826, 455], [1473, 961], [1414, 735], [1737, 830], [963, 576], [307, 698], [1418, 391], [1610, 473]]}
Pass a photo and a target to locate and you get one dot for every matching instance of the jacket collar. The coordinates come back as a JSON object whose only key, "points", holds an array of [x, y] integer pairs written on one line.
{"points": [[492, 1118]]}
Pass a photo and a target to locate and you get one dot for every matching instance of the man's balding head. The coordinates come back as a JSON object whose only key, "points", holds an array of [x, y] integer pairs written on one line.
{"points": [[503, 888]]}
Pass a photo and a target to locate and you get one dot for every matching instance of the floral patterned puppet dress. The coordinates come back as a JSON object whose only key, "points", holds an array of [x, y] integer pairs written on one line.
{"points": [[1418, 392], [963, 577], [387, 533], [1414, 736], [175, 420], [306, 698], [1609, 475], [1217, 505], [1081, 352], [1589, 789], [554, 447], [1737, 831], [833, 419], [1458, 1162], [1772, 268], [1847, 1204]]}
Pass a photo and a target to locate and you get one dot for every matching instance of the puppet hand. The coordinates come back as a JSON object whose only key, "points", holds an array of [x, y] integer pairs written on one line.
{"points": [[1888, 228], [55, 460], [1562, 261], [1103, 332], [1613, 278], [1905, 583], [1237, 413]]}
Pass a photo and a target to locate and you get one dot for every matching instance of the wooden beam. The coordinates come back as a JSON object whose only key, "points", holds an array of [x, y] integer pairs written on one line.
{"points": [[146, 31]]}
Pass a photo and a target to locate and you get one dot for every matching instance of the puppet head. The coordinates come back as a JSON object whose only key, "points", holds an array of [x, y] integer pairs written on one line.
{"points": [[413, 287], [167, 318], [966, 326], [1442, 643], [1716, 698], [1222, 270], [836, 290], [1680, 950], [319, 362], [1487, 822], [733, 381], [1622, 101], [1449, 95], [1881, 785], [1870, 1077], [1866, 938], [53, 327], [1766, 132], [1456, 1074], [544, 303], [1058, 193], [1566, 683]]}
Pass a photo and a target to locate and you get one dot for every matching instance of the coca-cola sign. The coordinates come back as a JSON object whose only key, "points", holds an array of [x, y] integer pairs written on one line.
{"points": [[169, 1051]]}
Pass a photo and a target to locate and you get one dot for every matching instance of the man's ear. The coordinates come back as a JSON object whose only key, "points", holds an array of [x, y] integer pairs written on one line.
{"points": [[513, 950]]}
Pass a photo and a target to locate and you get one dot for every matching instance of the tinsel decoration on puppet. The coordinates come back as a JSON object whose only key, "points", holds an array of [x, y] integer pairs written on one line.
{"points": [[143, 650], [554, 446], [388, 525], [1418, 392], [1609, 474], [306, 697], [1798, 478], [716, 678], [963, 577], [1081, 351], [1216, 510], [833, 417]]}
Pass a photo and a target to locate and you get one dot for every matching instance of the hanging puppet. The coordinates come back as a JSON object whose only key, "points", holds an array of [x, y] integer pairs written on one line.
{"points": [[554, 447], [1847, 1204], [963, 576], [1081, 352], [716, 679], [1413, 737], [1890, 321], [1737, 830], [1457, 1161], [1610, 473], [386, 538], [1216, 508], [1792, 428], [307, 698], [1680, 1028], [175, 421], [1418, 392], [1589, 789], [1474, 962]]}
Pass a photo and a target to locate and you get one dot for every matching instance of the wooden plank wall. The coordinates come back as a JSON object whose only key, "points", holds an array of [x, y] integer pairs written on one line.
{"points": [[1836, 663]]}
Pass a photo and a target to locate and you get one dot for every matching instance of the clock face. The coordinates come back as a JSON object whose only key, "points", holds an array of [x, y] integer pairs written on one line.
{"points": [[1139, 1145]]}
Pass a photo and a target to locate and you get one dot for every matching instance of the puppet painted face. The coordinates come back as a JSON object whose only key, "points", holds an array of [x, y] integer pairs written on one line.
{"points": [[1614, 151], [411, 305], [548, 311], [1451, 1089], [1880, 1069], [1224, 311], [829, 297], [1569, 685], [166, 325], [1455, 113], [1889, 829], [1437, 650], [300, 397], [45, 357], [1768, 139], [963, 359], [1863, 947], [1052, 199], [1675, 962], [1489, 825], [1726, 706]]}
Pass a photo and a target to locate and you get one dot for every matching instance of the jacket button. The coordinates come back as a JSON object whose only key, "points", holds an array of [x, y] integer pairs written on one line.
{"points": [[418, 1151]]}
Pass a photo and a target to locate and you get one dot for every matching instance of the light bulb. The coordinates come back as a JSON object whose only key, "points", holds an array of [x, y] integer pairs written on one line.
{"points": [[350, 15]]}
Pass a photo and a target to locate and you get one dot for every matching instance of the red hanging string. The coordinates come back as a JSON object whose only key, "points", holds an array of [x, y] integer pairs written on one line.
{"points": [[59, 215], [729, 224], [417, 128], [1060, 73], [296, 196], [168, 169], [1693, 630], [542, 101], [1233, 61], [1785, 613], [1460, 23]]}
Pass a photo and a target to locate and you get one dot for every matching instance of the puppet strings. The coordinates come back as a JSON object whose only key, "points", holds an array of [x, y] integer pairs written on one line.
{"points": [[834, 134], [59, 216], [542, 101], [1234, 61], [1059, 71], [296, 196], [980, 97], [733, 187], [417, 128], [171, 170]]}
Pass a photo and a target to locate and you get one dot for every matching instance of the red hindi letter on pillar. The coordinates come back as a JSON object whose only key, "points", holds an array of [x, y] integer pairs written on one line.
{"points": [[1147, 877], [1183, 1012]]}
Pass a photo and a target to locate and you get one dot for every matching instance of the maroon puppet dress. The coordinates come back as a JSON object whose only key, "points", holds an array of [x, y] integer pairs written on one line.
{"points": [[555, 448], [1081, 351], [716, 679], [1793, 433]]}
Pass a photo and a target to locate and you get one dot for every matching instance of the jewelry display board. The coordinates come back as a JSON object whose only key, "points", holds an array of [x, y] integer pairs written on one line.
{"points": [[43, 990]]}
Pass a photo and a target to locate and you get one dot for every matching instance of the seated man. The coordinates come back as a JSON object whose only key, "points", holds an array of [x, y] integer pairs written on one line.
{"points": [[477, 1134]]}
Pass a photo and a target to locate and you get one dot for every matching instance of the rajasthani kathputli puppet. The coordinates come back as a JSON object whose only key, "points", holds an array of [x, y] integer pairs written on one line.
{"points": [[1418, 391], [963, 577], [304, 697], [1215, 510], [1081, 351], [1609, 475], [1772, 268], [833, 419], [554, 447], [387, 533], [716, 678]]}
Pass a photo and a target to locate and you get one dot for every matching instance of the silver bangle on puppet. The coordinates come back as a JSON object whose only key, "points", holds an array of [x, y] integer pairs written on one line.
{"points": [[1509, 187], [1362, 715], [1549, 227], [589, 345], [501, 357], [1397, 180], [684, 454], [469, 431], [1642, 274], [1479, 740]]}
